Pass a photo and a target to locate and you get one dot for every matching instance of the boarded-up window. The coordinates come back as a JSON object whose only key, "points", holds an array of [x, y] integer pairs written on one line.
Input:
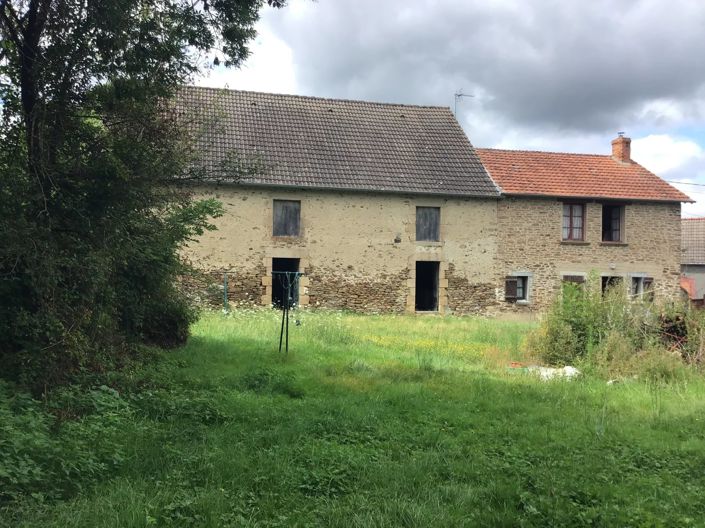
{"points": [[428, 223], [574, 279], [572, 286], [287, 217]]}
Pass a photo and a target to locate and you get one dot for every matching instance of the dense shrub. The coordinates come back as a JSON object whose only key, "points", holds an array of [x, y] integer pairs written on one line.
{"points": [[614, 354], [95, 163], [46, 456], [618, 335], [555, 342]]}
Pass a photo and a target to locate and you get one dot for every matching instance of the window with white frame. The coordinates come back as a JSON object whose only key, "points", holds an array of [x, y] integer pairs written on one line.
{"points": [[642, 287]]}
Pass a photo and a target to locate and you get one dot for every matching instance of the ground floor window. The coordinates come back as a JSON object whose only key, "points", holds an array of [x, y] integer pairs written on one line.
{"points": [[427, 275], [642, 287], [516, 288], [578, 280], [572, 285], [611, 282]]}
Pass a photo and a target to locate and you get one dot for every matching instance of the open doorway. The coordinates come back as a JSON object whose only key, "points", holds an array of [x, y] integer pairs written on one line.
{"points": [[427, 286], [280, 281]]}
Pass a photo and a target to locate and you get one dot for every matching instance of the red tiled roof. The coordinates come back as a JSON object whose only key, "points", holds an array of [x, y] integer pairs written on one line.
{"points": [[574, 175]]}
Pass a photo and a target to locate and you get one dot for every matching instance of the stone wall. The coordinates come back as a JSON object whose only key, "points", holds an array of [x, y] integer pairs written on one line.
{"points": [[470, 297], [206, 286], [530, 241], [379, 294], [357, 250]]}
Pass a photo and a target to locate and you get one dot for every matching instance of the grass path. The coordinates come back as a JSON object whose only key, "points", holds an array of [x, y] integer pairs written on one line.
{"points": [[388, 421]]}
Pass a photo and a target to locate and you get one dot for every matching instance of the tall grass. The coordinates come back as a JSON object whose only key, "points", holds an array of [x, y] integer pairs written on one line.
{"points": [[378, 421], [616, 335]]}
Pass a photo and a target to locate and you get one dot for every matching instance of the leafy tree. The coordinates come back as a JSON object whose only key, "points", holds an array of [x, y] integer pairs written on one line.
{"points": [[93, 205]]}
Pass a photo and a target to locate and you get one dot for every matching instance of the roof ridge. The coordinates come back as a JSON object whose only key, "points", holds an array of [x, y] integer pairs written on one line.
{"points": [[525, 151], [314, 97]]}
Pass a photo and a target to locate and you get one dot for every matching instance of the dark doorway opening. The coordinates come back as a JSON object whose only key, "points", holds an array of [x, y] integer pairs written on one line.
{"points": [[427, 286], [282, 281]]}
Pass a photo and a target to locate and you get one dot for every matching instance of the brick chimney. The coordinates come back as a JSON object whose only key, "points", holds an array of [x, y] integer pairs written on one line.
{"points": [[621, 149]]}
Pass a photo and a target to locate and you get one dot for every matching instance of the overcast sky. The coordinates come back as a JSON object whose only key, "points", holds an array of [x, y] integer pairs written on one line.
{"points": [[544, 74]]}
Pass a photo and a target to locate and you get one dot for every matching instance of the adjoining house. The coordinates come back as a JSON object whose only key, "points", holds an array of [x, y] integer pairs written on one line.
{"points": [[693, 259], [388, 208], [566, 215]]}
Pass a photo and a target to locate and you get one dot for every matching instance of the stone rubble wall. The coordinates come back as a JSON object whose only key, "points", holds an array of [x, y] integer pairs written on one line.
{"points": [[358, 250], [530, 241]]}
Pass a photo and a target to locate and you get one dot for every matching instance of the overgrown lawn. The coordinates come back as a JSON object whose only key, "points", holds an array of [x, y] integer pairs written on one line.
{"points": [[376, 421]]}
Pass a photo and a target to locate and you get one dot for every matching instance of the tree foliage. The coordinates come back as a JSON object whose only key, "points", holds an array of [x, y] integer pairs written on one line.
{"points": [[92, 162]]}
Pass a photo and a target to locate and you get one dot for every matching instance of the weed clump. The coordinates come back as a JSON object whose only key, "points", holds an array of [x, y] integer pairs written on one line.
{"points": [[615, 334], [263, 381]]}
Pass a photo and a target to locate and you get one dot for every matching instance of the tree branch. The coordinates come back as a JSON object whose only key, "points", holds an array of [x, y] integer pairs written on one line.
{"points": [[11, 27]]}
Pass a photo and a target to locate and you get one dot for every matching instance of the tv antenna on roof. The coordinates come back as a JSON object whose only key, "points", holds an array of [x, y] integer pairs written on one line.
{"points": [[459, 95]]}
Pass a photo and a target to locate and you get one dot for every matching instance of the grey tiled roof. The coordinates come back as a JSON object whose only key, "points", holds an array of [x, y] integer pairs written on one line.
{"points": [[693, 240], [334, 144]]}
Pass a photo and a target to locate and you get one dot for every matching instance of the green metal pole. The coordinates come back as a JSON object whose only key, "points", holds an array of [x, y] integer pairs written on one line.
{"points": [[225, 291]]}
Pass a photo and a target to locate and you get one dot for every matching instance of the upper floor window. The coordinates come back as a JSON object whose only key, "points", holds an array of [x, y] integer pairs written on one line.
{"points": [[287, 218], [428, 224], [573, 221], [612, 223]]}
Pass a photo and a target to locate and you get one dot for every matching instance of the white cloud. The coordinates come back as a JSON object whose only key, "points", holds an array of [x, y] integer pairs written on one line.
{"points": [[661, 153], [675, 159], [529, 91], [697, 209], [270, 67]]}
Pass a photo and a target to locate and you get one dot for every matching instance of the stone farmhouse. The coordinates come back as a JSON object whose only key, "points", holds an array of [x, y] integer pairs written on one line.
{"points": [[565, 215], [389, 208]]}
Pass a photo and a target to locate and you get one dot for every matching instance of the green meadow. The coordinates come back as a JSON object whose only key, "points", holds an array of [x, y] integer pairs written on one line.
{"points": [[369, 421]]}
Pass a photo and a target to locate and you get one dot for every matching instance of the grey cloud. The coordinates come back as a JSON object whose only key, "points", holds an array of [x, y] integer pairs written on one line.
{"points": [[580, 66]]}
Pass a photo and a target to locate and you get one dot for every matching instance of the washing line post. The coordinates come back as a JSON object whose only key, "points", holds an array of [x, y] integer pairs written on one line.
{"points": [[289, 280], [226, 307]]}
